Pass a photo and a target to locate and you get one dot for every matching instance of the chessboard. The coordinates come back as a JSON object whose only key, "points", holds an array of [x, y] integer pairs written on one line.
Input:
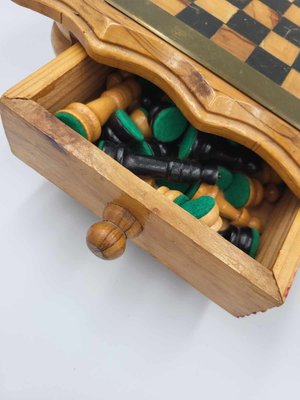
{"points": [[259, 41]]}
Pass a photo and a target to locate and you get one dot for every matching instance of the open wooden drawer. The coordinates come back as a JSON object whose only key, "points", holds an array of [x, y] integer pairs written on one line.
{"points": [[226, 275]]}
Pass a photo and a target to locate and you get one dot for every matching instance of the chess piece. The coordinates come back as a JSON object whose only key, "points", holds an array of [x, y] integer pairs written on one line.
{"points": [[238, 217], [113, 79], [170, 169], [175, 195], [246, 192], [151, 94], [117, 77], [245, 238], [143, 148], [205, 209], [181, 186], [140, 118], [164, 149], [88, 119], [167, 122], [268, 175], [121, 129], [149, 181], [200, 146], [155, 148]]}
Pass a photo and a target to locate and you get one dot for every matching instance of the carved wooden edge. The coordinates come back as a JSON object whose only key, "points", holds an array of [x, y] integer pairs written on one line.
{"points": [[61, 39], [207, 101]]}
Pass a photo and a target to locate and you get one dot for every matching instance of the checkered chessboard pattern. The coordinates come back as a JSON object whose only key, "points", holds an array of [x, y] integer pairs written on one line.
{"points": [[264, 34]]}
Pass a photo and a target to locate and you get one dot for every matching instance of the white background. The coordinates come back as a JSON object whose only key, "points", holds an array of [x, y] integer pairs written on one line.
{"points": [[75, 327]]}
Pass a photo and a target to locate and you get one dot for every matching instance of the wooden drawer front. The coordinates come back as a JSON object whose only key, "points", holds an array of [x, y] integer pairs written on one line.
{"points": [[219, 270]]}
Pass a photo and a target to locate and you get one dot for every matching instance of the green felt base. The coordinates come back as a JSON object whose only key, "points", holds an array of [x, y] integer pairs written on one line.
{"points": [[169, 125], [142, 148], [181, 186], [187, 143], [181, 200], [199, 207], [225, 178], [255, 243], [101, 144], [72, 122], [129, 125], [238, 192]]}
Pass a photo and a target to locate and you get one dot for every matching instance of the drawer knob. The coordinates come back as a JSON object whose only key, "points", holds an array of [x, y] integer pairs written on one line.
{"points": [[107, 239]]}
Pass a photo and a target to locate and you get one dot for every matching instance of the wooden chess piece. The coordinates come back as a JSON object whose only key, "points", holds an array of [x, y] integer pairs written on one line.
{"points": [[268, 175], [167, 122], [155, 149], [149, 181], [202, 146], [140, 118], [169, 169], [120, 129], [151, 94], [205, 209], [245, 238], [117, 77], [88, 119], [238, 217], [247, 192], [113, 79]]}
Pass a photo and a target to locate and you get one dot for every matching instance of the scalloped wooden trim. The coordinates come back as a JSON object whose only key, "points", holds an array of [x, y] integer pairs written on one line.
{"points": [[207, 101]]}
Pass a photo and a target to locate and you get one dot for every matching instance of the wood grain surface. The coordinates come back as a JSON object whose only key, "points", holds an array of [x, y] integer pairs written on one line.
{"points": [[207, 101], [238, 283]]}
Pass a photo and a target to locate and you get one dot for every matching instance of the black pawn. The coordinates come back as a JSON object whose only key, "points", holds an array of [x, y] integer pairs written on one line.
{"points": [[245, 238]]}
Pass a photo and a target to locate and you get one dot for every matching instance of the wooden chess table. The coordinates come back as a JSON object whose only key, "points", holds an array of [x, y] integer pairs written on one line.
{"points": [[232, 67]]}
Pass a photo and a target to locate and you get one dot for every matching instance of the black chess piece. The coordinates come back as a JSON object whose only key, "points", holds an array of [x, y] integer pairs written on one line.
{"points": [[167, 122], [121, 129], [245, 238], [202, 146], [169, 169]]}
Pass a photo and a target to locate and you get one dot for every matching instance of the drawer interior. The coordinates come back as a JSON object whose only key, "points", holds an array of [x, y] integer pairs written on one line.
{"points": [[192, 250]]}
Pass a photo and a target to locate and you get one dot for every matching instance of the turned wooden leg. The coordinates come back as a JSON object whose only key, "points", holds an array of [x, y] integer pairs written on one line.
{"points": [[61, 38], [107, 239]]}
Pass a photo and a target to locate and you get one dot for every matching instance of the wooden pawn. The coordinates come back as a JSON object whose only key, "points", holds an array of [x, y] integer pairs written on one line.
{"points": [[211, 219], [238, 217]]}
